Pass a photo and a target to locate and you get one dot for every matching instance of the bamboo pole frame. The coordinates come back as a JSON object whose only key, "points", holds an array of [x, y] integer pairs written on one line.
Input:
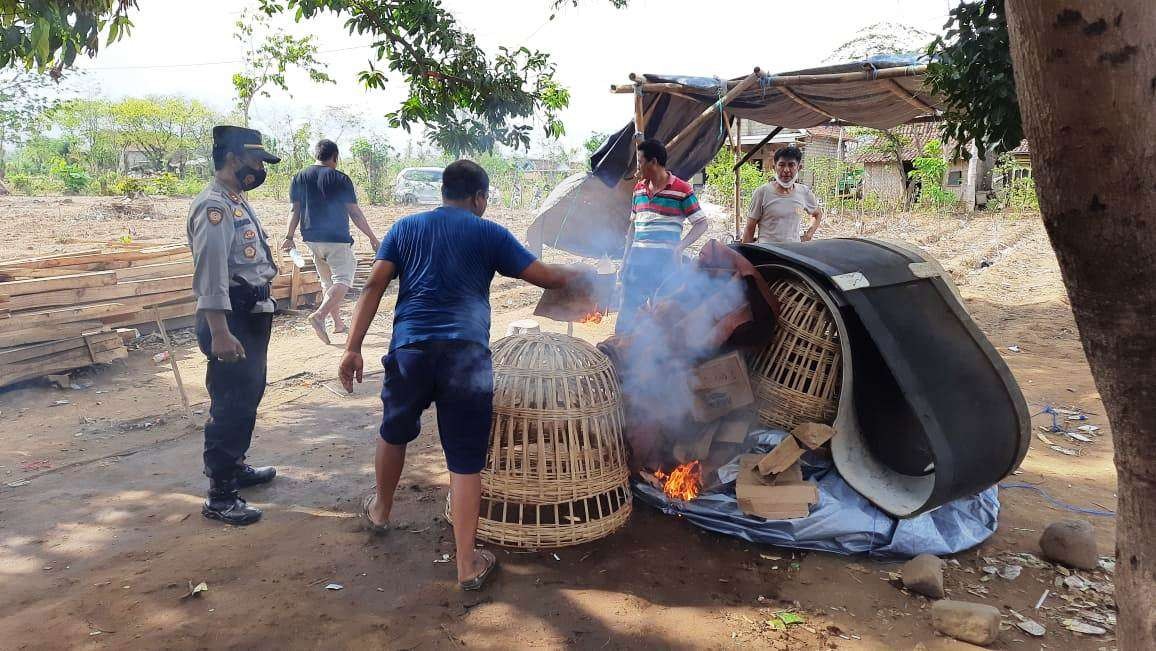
{"points": [[738, 151], [789, 80], [713, 108]]}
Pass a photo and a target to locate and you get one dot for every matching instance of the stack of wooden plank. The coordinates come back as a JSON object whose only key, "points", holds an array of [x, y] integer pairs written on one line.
{"points": [[67, 300]]}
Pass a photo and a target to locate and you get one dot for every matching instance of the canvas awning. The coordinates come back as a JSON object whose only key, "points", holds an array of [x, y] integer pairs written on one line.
{"points": [[590, 216]]}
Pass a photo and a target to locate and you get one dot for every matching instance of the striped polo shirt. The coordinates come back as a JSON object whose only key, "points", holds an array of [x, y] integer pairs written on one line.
{"points": [[658, 219]]}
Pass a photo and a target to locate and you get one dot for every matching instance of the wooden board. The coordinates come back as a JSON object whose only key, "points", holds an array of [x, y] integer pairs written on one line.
{"points": [[65, 361], [16, 288], [98, 257], [107, 265], [159, 270], [47, 333], [82, 295], [97, 341], [59, 316]]}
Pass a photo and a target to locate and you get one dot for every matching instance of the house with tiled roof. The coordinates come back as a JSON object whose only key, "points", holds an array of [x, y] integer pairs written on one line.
{"points": [[883, 179]]}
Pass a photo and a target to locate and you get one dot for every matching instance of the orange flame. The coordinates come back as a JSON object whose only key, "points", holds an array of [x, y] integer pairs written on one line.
{"points": [[683, 483], [593, 317]]}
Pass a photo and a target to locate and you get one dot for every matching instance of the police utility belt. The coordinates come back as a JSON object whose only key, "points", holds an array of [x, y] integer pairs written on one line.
{"points": [[244, 297]]}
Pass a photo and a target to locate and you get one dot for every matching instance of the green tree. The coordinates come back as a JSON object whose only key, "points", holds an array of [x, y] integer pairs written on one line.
{"points": [[269, 54], [1080, 72], [720, 178], [374, 155], [465, 99], [888, 142], [24, 97], [89, 124], [164, 129], [971, 69], [48, 36], [929, 169]]}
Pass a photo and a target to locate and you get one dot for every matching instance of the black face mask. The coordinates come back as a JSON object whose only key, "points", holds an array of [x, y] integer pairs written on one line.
{"points": [[250, 178]]}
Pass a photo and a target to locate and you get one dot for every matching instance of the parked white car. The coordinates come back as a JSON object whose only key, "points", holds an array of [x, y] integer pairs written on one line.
{"points": [[418, 185]]}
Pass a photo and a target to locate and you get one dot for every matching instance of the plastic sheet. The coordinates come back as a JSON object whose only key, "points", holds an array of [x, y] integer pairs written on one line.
{"points": [[843, 522]]}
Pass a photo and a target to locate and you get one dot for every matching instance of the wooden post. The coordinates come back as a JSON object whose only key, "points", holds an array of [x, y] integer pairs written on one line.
{"points": [[294, 287], [173, 362], [738, 152], [714, 108]]}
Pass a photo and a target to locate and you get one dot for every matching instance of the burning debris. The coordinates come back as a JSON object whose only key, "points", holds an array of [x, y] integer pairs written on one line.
{"points": [[683, 483]]}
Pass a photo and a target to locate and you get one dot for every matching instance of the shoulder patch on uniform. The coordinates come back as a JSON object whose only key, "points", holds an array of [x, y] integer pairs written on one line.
{"points": [[250, 252], [215, 215]]}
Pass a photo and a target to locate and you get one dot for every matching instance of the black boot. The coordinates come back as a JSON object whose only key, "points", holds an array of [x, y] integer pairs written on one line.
{"points": [[225, 505], [249, 476]]}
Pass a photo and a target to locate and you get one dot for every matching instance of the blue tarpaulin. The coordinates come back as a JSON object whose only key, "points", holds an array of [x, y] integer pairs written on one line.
{"points": [[843, 522]]}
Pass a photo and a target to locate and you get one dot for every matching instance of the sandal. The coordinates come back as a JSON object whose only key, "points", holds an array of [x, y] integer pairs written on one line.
{"points": [[478, 581], [370, 525]]}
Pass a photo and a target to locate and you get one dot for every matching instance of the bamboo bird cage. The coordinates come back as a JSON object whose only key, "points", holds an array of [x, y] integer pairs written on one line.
{"points": [[556, 472], [797, 374]]}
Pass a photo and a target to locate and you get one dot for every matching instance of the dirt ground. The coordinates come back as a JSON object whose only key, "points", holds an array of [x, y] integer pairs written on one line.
{"points": [[100, 488]]}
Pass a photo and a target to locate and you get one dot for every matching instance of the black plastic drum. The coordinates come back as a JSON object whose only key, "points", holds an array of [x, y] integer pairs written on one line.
{"points": [[928, 412]]}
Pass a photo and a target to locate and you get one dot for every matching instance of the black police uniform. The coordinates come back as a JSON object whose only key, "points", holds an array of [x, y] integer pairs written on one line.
{"points": [[233, 270]]}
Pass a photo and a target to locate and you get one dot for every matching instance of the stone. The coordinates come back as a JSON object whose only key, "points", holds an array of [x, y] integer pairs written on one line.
{"points": [[1071, 542], [967, 621], [924, 574]]}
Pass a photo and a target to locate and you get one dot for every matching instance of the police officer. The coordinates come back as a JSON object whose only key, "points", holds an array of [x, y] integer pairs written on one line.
{"points": [[233, 270]]}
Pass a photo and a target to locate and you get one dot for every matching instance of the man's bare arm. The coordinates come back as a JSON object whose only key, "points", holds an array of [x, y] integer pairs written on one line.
{"points": [[816, 219], [749, 231], [352, 365], [362, 224], [294, 220], [696, 231], [368, 303], [549, 276]]}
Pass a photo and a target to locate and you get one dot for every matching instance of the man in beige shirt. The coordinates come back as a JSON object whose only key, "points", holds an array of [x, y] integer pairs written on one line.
{"points": [[775, 206]]}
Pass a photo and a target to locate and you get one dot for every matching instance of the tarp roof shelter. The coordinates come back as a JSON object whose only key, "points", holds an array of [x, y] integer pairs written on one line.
{"points": [[588, 214]]}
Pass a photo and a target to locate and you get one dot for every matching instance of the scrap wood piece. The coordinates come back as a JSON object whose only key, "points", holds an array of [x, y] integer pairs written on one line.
{"points": [[782, 457], [813, 435], [778, 501]]}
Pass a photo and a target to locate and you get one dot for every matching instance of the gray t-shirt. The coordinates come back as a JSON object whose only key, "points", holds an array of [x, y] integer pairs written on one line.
{"points": [[778, 214]]}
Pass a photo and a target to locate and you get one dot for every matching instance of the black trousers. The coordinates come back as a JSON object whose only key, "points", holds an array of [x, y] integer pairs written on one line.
{"points": [[235, 391]]}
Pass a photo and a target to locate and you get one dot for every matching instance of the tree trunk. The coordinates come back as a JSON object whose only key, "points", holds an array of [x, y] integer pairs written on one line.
{"points": [[1085, 78]]}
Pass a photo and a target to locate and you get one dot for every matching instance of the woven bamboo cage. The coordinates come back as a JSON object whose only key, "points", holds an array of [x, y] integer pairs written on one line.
{"points": [[556, 471], [797, 374]]}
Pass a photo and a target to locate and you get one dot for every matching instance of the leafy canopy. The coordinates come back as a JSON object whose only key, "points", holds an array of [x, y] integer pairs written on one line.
{"points": [[269, 53], [466, 100], [48, 36], [971, 68]]}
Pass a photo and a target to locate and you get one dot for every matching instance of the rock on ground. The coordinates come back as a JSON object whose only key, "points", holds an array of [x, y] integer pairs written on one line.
{"points": [[967, 621], [1071, 542], [924, 574]]}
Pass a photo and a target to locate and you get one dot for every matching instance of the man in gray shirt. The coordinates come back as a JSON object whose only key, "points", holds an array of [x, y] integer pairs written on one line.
{"points": [[233, 271], [775, 205]]}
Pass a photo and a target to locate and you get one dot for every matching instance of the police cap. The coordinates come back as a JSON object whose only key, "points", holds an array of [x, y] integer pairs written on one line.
{"points": [[239, 140]]}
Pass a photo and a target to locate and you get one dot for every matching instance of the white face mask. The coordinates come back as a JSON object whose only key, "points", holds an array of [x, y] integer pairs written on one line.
{"points": [[786, 185]]}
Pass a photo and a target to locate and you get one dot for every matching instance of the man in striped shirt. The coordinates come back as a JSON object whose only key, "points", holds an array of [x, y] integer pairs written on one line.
{"points": [[662, 202]]}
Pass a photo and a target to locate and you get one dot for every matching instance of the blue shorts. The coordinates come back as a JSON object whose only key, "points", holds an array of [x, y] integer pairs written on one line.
{"points": [[458, 377]]}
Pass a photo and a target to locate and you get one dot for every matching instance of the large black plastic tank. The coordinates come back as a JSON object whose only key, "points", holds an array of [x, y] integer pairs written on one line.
{"points": [[928, 410]]}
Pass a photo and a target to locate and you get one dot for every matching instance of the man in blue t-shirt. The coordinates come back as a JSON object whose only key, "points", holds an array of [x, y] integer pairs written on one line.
{"points": [[324, 202], [444, 260]]}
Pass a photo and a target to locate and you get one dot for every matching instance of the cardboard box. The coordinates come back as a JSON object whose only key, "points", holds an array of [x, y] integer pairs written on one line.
{"points": [[734, 427], [720, 386], [782, 457], [781, 500], [813, 435]]}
